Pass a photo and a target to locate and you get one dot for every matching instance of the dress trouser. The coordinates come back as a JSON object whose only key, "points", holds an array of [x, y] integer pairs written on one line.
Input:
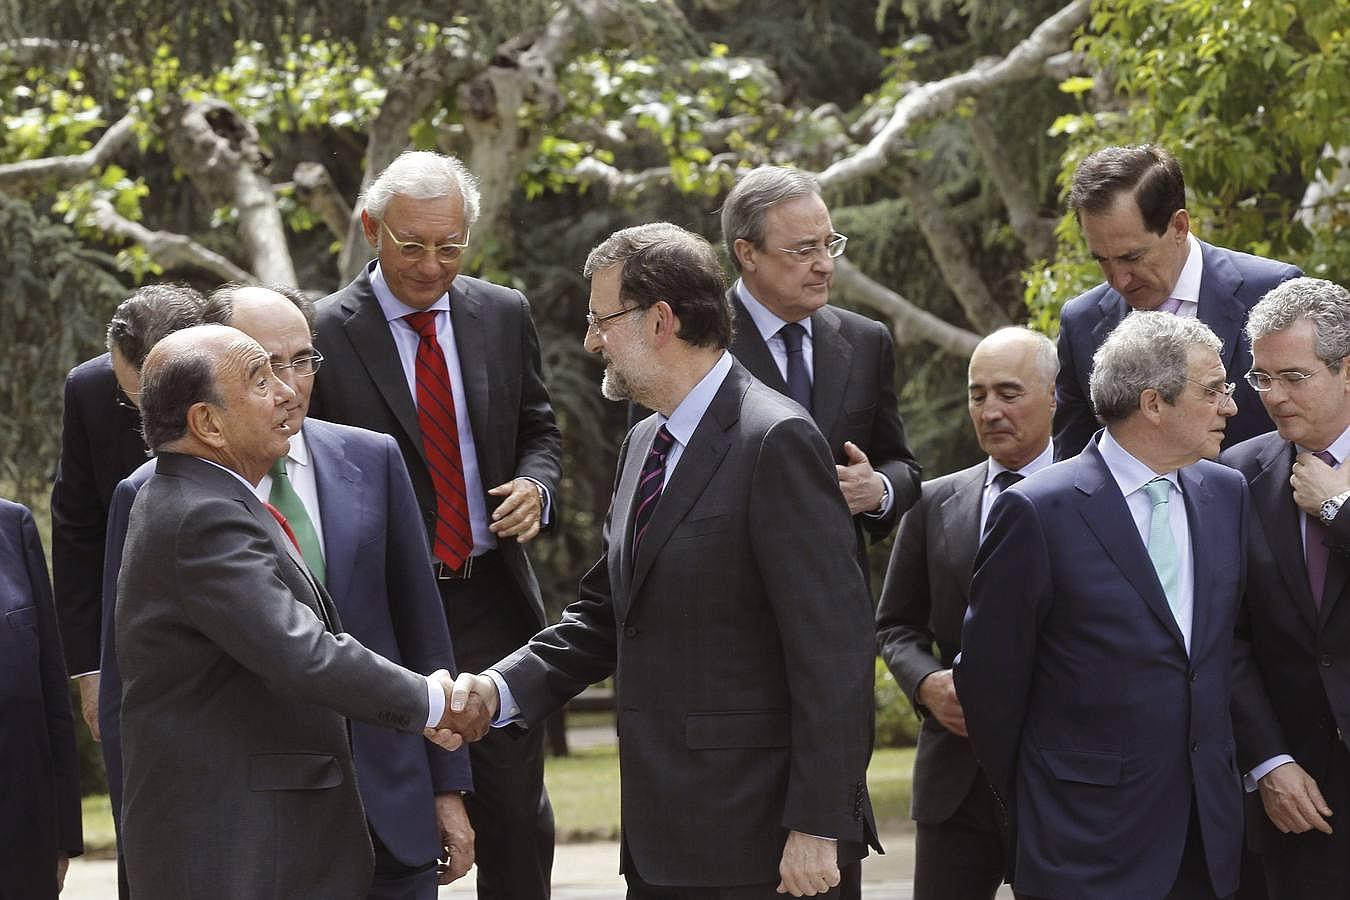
{"points": [[849, 886], [962, 858], [1313, 865]]}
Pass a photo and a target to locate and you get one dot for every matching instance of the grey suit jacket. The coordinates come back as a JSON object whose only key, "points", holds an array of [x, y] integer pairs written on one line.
{"points": [[739, 639], [238, 778], [923, 603]]}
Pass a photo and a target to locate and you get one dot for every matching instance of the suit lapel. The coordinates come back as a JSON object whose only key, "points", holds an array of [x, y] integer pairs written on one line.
{"points": [[1107, 515], [1274, 502], [1199, 509], [1219, 307], [471, 345], [959, 520], [832, 360], [624, 506], [750, 349], [343, 504], [369, 335]]}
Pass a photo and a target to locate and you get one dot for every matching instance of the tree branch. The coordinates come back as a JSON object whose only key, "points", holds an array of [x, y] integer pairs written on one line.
{"points": [[15, 177], [1036, 232], [315, 189], [172, 251], [927, 101], [908, 322]]}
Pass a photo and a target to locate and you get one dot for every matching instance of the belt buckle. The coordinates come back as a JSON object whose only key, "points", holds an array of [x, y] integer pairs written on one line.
{"points": [[443, 572]]}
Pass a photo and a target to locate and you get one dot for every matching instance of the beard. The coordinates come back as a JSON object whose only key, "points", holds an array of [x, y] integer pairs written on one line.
{"points": [[614, 386]]}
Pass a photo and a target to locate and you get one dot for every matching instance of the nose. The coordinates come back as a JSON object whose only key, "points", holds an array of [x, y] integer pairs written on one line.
{"points": [[822, 263], [1228, 405], [284, 393], [592, 342], [1118, 275]]}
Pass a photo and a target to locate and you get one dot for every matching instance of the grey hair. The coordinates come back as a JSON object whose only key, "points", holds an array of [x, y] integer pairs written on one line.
{"points": [[744, 209], [423, 175], [1046, 356], [1147, 350], [1323, 303]]}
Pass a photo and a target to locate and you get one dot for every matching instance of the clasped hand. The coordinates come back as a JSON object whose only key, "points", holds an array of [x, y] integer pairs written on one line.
{"points": [[470, 706]]}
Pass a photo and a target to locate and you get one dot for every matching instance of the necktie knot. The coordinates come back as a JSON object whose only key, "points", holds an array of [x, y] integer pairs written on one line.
{"points": [[424, 322], [278, 469], [663, 442], [1006, 479], [1159, 490], [1170, 305], [1326, 457]]}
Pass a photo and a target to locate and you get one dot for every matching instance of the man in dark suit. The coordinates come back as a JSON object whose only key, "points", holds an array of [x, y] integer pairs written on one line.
{"points": [[727, 606], [449, 366], [959, 841], [839, 365], [100, 445], [1097, 655], [236, 672], [364, 536], [40, 804], [1292, 717], [1131, 206]]}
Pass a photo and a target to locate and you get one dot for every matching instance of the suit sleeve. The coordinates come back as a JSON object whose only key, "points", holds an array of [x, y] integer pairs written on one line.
{"points": [[538, 440], [904, 633], [1010, 595], [56, 698], [77, 541], [889, 450], [415, 608], [803, 548], [1074, 422]]}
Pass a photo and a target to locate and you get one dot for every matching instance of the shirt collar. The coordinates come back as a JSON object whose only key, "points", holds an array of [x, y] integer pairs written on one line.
{"points": [[766, 321], [1340, 448], [1043, 459], [394, 308], [1187, 288], [299, 452], [689, 413], [1130, 474]]}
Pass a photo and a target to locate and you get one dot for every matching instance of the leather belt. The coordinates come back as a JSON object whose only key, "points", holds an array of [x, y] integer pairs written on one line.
{"points": [[443, 572]]}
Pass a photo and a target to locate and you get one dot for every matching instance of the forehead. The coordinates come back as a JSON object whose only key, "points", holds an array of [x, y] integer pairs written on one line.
{"points": [[271, 320], [801, 219], [433, 218], [1203, 363], [1118, 228], [1006, 362], [1286, 348], [605, 288]]}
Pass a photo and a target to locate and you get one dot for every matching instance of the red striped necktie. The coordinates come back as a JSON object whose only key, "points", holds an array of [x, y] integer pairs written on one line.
{"points": [[453, 540], [650, 483]]}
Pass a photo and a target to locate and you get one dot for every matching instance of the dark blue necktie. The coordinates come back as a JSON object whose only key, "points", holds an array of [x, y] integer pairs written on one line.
{"points": [[798, 381], [650, 483]]}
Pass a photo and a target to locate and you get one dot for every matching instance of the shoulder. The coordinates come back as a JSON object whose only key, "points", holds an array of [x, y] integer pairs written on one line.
{"points": [[1250, 265], [1246, 455], [1086, 305], [13, 515], [345, 300], [854, 325], [938, 489], [96, 371], [763, 408], [492, 295]]}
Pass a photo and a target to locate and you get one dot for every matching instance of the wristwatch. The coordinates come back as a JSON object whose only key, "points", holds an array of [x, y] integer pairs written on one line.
{"points": [[1332, 505]]}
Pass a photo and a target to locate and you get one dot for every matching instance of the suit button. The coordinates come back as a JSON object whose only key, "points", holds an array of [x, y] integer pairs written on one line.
{"points": [[630, 631], [1195, 676], [1324, 661], [1195, 746]]}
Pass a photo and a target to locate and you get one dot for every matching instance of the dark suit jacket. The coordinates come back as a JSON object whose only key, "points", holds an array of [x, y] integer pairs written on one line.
{"points": [[852, 399], [101, 444], [362, 383], [1231, 285], [1299, 695], [40, 803], [1081, 701], [238, 768], [740, 645], [922, 603], [379, 576]]}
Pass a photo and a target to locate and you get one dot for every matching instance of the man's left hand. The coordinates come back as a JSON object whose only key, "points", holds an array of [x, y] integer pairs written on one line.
{"points": [[62, 864], [810, 865], [520, 514], [1314, 481], [456, 837], [862, 487]]}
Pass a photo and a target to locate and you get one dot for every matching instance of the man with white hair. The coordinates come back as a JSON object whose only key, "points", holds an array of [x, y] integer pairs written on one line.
{"points": [[1097, 657], [449, 366]]}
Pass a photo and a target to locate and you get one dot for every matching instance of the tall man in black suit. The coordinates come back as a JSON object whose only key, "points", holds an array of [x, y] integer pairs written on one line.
{"points": [[839, 365], [1131, 207], [1292, 717], [960, 841], [449, 366], [727, 605], [100, 445], [1097, 656]]}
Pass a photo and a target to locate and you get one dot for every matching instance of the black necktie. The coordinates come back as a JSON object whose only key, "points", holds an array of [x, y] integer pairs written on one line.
{"points": [[1006, 479], [650, 483], [798, 382], [1315, 553]]}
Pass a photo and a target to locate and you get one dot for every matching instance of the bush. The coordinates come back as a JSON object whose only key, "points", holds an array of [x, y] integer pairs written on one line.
{"points": [[897, 723]]}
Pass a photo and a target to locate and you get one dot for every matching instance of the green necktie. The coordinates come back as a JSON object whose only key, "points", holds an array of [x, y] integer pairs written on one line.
{"points": [[284, 498], [1162, 546]]}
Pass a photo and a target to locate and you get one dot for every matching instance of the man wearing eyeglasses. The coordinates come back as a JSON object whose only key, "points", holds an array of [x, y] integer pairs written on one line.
{"points": [[1292, 712], [837, 364], [1131, 207], [449, 366]]}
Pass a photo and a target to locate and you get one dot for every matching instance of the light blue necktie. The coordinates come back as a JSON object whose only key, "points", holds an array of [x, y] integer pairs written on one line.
{"points": [[1162, 546]]}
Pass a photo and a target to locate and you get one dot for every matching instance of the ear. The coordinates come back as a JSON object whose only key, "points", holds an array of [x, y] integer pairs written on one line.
{"points": [[371, 226], [204, 424], [747, 254], [667, 324], [1151, 404], [1180, 223]]}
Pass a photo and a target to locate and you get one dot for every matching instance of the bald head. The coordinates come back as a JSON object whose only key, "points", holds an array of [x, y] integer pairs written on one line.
{"points": [[1012, 394], [281, 320]]}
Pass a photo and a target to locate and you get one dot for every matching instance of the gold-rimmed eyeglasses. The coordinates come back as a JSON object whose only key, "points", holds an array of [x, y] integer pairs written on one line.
{"points": [[415, 251]]}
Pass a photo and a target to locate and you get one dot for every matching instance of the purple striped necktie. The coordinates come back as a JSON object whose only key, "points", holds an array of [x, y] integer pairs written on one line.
{"points": [[1315, 552], [453, 541], [650, 483]]}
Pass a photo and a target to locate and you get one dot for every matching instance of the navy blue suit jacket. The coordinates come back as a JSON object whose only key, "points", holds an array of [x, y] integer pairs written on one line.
{"points": [[40, 802], [1231, 285], [378, 572], [1091, 720]]}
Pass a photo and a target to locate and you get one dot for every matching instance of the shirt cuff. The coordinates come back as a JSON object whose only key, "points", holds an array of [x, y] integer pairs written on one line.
{"points": [[435, 702], [545, 514], [1261, 771], [507, 710], [887, 499]]}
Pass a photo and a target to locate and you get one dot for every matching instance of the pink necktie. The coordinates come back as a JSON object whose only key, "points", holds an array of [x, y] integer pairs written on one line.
{"points": [[1170, 305]]}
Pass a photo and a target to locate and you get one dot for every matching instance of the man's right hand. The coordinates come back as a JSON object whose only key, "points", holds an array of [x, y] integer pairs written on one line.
{"points": [[938, 692], [1293, 801], [89, 702]]}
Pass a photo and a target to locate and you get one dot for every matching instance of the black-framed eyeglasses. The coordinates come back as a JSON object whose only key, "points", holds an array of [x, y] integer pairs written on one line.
{"points": [[415, 251], [126, 400], [303, 366], [1264, 381], [1215, 394], [833, 248], [593, 321]]}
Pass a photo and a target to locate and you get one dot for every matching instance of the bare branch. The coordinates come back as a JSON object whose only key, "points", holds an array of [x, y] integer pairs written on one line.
{"points": [[909, 322], [931, 100], [172, 251], [1035, 231], [15, 177], [315, 189]]}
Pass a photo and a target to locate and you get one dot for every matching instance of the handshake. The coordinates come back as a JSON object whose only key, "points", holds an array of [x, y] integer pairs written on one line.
{"points": [[471, 703]]}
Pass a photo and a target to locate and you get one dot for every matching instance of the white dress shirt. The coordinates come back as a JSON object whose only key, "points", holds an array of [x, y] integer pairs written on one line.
{"points": [[1187, 288], [1043, 459]]}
